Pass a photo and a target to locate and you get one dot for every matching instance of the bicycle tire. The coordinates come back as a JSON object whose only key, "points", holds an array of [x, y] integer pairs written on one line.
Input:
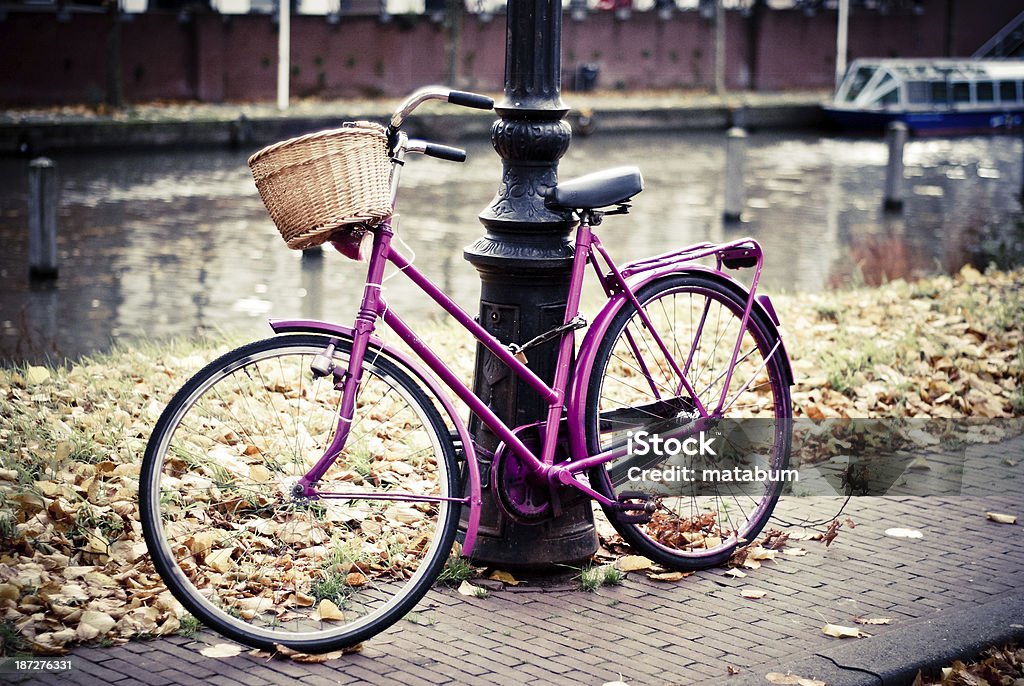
{"points": [[252, 561], [631, 390]]}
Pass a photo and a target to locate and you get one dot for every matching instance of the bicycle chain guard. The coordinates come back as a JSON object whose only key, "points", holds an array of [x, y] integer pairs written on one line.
{"points": [[520, 495]]}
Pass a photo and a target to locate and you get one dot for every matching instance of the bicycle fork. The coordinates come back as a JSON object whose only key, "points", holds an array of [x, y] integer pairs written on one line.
{"points": [[347, 381]]}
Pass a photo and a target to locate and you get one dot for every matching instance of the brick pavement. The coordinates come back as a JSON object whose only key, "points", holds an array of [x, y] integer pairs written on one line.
{"points": [[647, 632]]}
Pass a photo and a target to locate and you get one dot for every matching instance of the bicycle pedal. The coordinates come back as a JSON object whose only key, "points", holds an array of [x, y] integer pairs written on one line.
{"points": [[628, 507]]}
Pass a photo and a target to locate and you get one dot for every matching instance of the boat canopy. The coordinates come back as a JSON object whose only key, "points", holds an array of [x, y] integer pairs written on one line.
{"points": [[929, 84]]}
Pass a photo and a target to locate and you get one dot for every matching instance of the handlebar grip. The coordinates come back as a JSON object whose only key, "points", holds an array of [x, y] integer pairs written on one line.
{"points": [[445, 152], [466, 99]]}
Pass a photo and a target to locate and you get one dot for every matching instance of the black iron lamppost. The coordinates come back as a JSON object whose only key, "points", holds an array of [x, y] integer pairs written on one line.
{"points": [[524, 262]]}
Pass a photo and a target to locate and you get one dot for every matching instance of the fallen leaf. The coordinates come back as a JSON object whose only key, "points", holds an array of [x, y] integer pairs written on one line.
{"points": [[62, 451], [669, 576], [36, 375], [791, 680], [355, 579], [632, 563], [327, 610], [203, 542], [303, 599], [221, 650], [52, 643], [503, 577], [753, 593], [919, 464], [170, 626], [298, 656], [794, 552], [404, 514], [831, 533], [736, 573], [872, 620], [1001, 518], [219, 560], [904, 533], [468, 589], [731, 671], [971, 275], [94, 624], [775, 539], [308, 658], [922, 437], [814, 412], [836, 631]]}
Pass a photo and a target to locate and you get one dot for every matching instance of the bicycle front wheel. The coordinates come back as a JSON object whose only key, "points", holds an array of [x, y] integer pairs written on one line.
{"points": [[708, 494], [256, 561]]}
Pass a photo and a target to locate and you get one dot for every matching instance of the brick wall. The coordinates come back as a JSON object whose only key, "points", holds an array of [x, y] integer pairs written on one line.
{"points": [[216, 59]]}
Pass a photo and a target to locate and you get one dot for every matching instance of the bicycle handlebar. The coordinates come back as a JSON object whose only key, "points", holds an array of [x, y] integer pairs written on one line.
{"points": [[474, 100], [463, 98], [444, 152]]}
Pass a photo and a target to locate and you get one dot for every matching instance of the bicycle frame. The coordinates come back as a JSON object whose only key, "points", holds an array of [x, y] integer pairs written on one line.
{"points": [[243, 439], [619, 284]]}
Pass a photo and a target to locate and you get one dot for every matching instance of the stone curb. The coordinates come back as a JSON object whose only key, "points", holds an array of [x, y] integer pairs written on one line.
{"points": [[895, 657], [233, 126]]}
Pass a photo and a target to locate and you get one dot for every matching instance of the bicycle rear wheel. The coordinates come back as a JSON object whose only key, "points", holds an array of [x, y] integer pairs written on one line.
{"points": [[262, 565], [706, 500]]}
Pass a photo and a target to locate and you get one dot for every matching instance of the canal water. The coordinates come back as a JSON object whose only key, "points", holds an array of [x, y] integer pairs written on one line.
{"points": [[169, 243]]}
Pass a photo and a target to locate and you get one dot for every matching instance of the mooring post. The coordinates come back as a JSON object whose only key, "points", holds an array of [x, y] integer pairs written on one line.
{"points": [[524, 262], [896, 139], [1022, 169], [42, 219], [735, 166]]}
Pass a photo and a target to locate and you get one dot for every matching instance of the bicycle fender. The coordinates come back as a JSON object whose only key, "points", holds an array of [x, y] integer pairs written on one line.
{"points": [[577, 392], [282, 326]]}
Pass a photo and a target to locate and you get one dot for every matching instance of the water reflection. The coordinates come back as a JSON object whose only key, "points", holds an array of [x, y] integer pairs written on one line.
{"points": [[155, 244]]}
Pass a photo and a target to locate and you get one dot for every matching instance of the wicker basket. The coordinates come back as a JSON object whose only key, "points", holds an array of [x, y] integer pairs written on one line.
{"points": [[315, 184]]}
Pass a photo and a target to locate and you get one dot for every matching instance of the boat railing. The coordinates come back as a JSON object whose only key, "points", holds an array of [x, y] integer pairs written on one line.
{"points": [[1006, 41]]}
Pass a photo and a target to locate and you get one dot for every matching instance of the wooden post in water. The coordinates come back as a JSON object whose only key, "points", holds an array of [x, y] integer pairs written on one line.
{"points": [[719, 47], [735, 162], [1022, 169], [284, 48], [896, 139], [42, 219]]}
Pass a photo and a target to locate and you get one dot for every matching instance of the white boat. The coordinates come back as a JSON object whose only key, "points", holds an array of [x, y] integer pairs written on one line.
{"points": [[932, 95]]}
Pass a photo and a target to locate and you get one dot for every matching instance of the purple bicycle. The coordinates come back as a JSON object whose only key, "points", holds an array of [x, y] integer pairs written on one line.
{"points": [[306, 489]]}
